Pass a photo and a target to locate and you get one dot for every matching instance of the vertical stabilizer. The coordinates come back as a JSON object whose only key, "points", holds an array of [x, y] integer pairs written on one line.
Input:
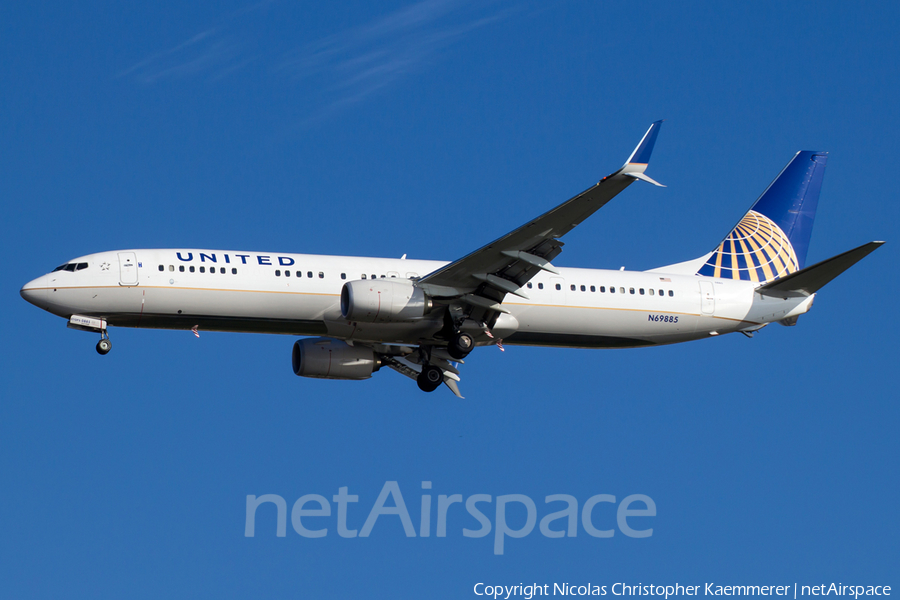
{"points": [[773, 237]]}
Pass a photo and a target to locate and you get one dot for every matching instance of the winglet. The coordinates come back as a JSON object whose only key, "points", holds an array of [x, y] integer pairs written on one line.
{"points": [[637, 162], [643, 177], [641, 154]]}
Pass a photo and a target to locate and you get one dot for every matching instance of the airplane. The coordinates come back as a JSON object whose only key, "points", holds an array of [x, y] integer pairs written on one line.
{"points": [[422, 318]]}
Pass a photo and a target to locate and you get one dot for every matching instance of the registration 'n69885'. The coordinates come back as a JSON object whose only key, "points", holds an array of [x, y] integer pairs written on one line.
{"points": [[663, 318]]}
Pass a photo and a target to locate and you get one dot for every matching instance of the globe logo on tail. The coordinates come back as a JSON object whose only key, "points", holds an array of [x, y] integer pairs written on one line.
{"points": [[756, 250]]}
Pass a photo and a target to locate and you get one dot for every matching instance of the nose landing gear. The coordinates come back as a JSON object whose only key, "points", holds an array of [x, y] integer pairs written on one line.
{"points": [[94, 325], [104, 345]]}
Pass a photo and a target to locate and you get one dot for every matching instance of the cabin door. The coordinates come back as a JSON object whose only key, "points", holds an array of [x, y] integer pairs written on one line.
{"points": [[707, 298], [128, 269]]}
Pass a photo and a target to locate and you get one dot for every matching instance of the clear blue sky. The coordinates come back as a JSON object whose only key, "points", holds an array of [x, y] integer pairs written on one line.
{"points": [[429, 129]]}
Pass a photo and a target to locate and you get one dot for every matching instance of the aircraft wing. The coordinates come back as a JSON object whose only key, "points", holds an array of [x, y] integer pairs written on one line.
{"points": [[483, 278]]}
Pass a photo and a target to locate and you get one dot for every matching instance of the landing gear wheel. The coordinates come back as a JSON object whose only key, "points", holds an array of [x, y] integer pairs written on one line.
{"points": [[430, 378], [460, 345], [104, 346]]}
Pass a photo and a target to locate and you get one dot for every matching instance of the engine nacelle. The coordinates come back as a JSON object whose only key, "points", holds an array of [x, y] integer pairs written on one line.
{"points": [[383, 301], [326, 358]]}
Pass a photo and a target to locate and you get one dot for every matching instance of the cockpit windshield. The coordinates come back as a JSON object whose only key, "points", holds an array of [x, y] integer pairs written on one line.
{"points": [[71, 267]]}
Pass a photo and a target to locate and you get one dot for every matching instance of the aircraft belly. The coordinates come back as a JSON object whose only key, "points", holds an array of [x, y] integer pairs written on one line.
{"points": [[407, 332], [597, 327], [225, 310], [570, 340], [219, 323], [240, 304]]}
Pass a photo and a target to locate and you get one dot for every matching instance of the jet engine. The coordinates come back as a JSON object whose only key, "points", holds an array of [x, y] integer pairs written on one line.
{"points": [[383, 301], [326, 358]]}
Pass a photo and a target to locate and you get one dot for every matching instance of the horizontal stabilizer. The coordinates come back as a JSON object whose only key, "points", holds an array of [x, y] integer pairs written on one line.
{"points": [[810, 280]]}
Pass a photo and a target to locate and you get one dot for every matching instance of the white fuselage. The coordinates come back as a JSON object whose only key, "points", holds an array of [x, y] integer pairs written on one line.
{"points": [[299, 294]]}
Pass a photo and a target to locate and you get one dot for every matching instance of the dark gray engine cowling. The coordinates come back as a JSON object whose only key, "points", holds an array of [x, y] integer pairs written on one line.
{"points": [[326, 358], [383, 301]]}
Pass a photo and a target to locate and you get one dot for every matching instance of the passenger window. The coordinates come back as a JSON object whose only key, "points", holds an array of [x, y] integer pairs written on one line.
{"points": [[529, 285], [559, 287], [612, 290], [572, 287], [234, 270], [364, 276], [662, 292], [671, 293], [630, 290], [191, 268], [651, 291], [181, 268], [343, 276], [203, 269], [287, 273], [309, 274], [540, 286], [593, 289], [222, 270], [277, 272], [321, 275], [161, 268], [641, 291], [582, 288], [602, 289], [171, 267], [622, 290], [299, 273], [373, 276]]}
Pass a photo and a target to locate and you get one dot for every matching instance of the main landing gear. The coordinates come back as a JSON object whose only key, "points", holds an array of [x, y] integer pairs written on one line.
{"points": [[430, 378], [104, 345], [460, 345]]}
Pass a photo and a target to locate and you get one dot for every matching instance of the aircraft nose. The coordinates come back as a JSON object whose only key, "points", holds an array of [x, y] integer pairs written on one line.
{"points": [[35, 291]]}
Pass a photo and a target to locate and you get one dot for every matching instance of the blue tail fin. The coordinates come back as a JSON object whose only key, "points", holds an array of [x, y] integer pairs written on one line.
{"points": [[772, 239]]}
